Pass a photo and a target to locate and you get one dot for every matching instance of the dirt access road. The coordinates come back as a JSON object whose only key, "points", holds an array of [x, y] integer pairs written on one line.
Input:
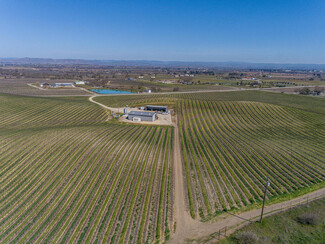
{"points": [[184, 221], [91, 99]]}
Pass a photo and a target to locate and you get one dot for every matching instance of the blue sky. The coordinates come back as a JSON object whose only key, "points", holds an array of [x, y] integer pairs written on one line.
{"points": [[218, 30]]}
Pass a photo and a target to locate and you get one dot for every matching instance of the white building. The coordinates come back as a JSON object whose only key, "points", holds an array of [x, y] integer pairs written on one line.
{"points": [[79, 82], [141, 116], [61, 85], [44, 84]]}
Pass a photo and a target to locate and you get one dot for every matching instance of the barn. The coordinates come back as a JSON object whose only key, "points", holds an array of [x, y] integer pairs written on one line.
{"points": [[157, 108], [79, 82], [61, 85], [141, 116]]}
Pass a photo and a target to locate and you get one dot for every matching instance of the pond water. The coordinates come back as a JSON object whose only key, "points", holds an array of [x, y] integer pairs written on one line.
{"points": [[108, 91]]}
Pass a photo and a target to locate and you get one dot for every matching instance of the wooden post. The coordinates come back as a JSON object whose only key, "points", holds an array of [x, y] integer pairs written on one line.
{"points": [[266, 185]]}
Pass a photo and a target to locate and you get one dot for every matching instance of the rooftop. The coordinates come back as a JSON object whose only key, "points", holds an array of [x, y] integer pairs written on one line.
{"points": [[155, 106], [138, 113]]}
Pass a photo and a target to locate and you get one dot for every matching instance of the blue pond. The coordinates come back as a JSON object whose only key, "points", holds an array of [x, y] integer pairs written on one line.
{"points": [[108, 91]]}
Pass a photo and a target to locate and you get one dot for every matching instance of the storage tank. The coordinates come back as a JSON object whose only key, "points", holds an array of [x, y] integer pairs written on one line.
{"points": [[125, 111]]}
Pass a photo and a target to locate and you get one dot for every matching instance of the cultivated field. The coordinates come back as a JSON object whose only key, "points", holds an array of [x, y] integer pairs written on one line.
{"points": [[21, 87], [67, 175], [229, 148]]}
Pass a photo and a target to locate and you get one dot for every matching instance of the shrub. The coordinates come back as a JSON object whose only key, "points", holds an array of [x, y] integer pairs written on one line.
{"points": [[176, 88], [308, 219], [304, 91], [246, 237]]}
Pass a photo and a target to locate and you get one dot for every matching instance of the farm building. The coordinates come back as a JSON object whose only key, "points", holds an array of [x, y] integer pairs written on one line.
{"points": [[141, 116], [79, 82], [45, 84], [61, 85], [157, 108]]}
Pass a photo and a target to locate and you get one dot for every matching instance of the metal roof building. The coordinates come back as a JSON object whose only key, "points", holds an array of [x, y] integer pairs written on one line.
{"points": [[141, 116], [157, 108], [61, 85]]}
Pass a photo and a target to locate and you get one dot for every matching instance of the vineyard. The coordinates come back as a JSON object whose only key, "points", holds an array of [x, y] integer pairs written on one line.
{"points": [[20, 87], [229, 148], [231, 143], [67, 175], [306, 103], [29, 112]]}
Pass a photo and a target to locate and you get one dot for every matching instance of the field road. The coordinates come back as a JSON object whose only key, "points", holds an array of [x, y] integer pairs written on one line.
{"points": [[198, 231], [39, 88], [115, 110], [86, 90], [184, 221]]}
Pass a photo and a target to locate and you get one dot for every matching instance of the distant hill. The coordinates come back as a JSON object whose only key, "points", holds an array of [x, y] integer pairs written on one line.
{"points": [[229, 65]]}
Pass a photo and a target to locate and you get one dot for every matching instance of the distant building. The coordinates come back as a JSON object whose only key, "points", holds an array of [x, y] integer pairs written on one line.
{"points": [[249, 78], [148, 91], [142, 116], [157, 108], [44, 84], [55, 85], [79, 82], [140, 77]]}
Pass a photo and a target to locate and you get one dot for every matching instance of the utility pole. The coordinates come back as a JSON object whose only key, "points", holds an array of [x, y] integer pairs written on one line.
{"points": [[266, 185]]}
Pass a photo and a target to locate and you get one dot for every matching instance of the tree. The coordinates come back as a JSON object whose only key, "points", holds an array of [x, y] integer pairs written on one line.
{"points": [[304, 91], [176, 89], [141, 88], [319, 90], [187, 79]]}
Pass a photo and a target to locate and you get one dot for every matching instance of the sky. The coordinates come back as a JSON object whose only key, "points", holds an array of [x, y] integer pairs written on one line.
{"points": [[272, 31]]}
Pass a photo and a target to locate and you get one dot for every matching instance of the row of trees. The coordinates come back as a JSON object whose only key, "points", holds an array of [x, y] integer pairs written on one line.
{"points": [[308, 91]]}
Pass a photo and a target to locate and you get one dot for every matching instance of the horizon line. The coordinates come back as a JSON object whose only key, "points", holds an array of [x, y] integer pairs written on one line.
{"points": [[157, 60]]}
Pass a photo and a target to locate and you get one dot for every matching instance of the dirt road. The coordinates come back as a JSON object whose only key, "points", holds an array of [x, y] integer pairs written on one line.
{"points": [[91, 99], [39, 88], [197, 231], [183, 220], [86, 90]]}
